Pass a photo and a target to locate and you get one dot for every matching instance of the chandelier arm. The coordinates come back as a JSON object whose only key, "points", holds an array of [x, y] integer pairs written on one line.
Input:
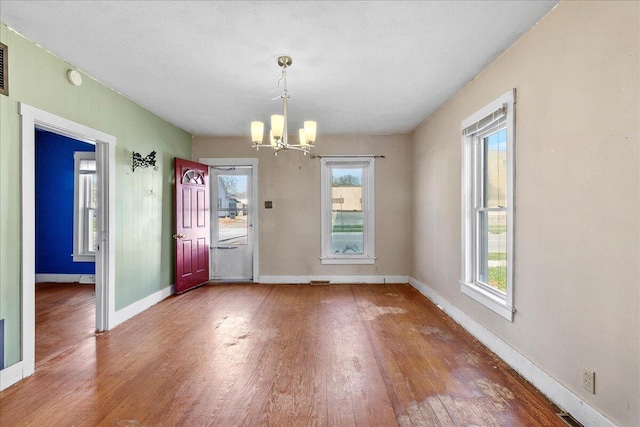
{"points": [[297, 148], [280, 148], [300, 146]]}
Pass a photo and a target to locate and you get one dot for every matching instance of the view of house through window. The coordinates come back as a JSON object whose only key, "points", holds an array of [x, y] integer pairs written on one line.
{"points": [[232, 210], [347, 219], [347, 210]]}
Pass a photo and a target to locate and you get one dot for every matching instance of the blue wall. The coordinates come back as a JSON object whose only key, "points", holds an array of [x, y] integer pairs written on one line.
{"points": [[54, 205]]}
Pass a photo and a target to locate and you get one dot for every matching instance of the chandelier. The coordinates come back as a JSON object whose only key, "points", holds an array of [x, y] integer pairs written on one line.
{"points": [[278, 135]]}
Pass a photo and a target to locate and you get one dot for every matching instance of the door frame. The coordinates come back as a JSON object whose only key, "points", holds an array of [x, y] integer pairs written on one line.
{"points": [[32, 118], [253, 208]]}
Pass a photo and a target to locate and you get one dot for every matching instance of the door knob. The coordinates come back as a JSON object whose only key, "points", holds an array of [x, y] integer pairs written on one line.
{"points": [[178, 236]]}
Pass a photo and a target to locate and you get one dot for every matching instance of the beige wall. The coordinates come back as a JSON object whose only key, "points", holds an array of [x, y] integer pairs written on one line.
{"points": [[577, 199], [290, 232]]}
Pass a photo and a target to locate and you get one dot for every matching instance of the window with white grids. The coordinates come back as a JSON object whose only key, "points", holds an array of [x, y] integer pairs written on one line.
{"points": [[85, 207], [347, 210], [487, 205]]}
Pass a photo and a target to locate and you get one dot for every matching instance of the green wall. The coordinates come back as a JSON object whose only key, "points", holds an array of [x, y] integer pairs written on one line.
{"points": [[144, 199]]}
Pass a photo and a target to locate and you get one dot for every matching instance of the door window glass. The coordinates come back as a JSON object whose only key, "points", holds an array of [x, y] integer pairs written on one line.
{"points": [[233, 227]]}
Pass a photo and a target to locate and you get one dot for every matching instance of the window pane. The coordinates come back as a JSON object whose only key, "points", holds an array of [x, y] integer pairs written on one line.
{"points": [[93, 198], [87, 165], [92, 232], [231, 189], [492, 249], [347, 218], [87, 221], [233, 227], [495, 148]]}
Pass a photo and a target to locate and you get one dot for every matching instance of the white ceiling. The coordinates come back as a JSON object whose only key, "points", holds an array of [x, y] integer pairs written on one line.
{"points": [[210, 67]]}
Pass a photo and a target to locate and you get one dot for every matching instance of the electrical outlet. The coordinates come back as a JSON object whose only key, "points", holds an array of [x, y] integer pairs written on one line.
{"points": [[589, 379]]}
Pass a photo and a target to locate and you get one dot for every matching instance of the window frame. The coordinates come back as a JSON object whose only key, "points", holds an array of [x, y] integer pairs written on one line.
{"points": [[472, 186], [80, 221], [368, 173]]}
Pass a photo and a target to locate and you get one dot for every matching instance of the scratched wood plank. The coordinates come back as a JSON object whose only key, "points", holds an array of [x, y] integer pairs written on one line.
{"points": [[64, 314], [353, 362], [473, 385], [289, 396], [179, 407], [394, 347], [253, 355], [212, 368]]}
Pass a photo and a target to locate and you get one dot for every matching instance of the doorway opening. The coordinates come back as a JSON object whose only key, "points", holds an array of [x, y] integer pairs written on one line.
{"points": [[234, 219], [66, 231], [32, 119]]}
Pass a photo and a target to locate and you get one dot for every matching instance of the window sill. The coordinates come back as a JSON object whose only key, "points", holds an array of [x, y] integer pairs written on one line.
{"points": [[347, 260], [492, 302], [83, 258]]}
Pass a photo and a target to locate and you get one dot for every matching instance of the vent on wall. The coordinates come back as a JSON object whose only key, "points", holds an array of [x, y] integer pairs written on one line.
{"points": [[4, 70]]}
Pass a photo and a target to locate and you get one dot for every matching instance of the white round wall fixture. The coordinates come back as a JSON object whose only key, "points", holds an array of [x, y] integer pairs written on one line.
{"points": [[74, 77]]}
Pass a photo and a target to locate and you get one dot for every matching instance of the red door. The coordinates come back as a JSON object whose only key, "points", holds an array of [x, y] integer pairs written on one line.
{"points": [[192, 224]]}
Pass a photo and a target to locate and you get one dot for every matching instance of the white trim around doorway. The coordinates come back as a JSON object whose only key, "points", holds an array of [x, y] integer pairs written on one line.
{"points": [[253, 163], [33, 118]]}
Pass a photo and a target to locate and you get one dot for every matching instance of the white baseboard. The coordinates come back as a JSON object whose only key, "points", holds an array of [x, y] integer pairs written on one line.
{"points": [[556, 392], [138, 307], [87, 279], [11, 375], [333, 279], [66, 278]]}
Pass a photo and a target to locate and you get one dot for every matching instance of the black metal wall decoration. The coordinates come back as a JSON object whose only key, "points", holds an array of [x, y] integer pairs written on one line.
{"points": [[144, 162]]}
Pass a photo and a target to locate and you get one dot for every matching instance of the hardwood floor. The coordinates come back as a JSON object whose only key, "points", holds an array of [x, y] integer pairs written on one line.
{"points": [[280, 355], [65, 315]]}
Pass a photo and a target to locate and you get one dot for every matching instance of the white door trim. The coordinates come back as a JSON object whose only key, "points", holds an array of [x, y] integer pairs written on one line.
{"points": [[33, 118], [253, 208]]}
